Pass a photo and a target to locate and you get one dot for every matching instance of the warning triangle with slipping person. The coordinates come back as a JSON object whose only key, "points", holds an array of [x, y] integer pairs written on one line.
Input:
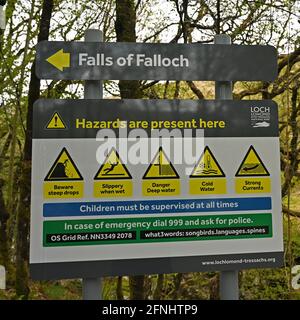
{"points": [[112, 168], [63, 169]]}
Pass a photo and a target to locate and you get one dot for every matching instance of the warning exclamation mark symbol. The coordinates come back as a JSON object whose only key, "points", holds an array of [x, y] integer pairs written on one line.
{"points": [[56, 122]]}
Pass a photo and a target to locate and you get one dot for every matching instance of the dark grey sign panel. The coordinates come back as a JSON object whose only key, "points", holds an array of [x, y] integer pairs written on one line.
{"points": [[138, 61], [93, 269], [223, 118]]}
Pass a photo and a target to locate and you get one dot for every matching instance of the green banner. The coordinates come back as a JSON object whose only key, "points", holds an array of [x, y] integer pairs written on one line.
{"points": [[141, 230]]}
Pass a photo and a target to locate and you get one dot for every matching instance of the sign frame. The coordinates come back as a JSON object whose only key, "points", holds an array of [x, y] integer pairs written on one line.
{"points": [[43, 109]]}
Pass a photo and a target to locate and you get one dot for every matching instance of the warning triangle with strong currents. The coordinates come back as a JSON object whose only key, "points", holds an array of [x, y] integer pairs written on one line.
{"points": [[161, 167], [112, 168], [63, 169], [207, 166], [56, 122], [252, 165]]}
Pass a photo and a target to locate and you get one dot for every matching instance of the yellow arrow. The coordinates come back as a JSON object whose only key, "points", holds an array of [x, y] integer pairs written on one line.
{"points": [[60, 60]]}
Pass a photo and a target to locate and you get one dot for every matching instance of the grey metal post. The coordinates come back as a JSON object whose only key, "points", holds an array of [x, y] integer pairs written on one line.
{"points": [[229, 280], [93, 89]]}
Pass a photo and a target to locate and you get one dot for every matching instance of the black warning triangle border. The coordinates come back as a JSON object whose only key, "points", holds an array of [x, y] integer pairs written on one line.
{"points": [[206, 176], [61, 119], [160, 149], [116, 178], [252, 175], [54, 164]]}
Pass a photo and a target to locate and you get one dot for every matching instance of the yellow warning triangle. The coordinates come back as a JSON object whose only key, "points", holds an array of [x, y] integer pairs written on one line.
{"points": [[63, 169], [161, 167], [56, 122], [112, 168], [207, 166], [252, 165]]}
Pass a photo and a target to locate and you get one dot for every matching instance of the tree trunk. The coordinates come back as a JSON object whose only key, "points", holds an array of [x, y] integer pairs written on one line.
{"points": [[292, 161], [120, 295], [177, 284], [4, 216], [125, 31], [4, 254], [159, 287], [23, 209]]}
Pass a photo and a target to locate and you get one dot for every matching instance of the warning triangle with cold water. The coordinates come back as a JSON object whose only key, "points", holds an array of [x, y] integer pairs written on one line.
{"points": [[207, 166]]}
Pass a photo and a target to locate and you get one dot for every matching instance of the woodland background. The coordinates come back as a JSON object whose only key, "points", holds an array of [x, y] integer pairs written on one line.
{"points": [[270, 22]]}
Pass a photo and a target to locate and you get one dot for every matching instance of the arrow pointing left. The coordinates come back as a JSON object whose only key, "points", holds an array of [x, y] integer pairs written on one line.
{"points": [[60, 60]]}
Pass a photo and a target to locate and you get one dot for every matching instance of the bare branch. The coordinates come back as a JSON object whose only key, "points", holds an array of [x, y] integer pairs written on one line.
{"points": [[150, 84], [288, 59], [293, 213], [196, 90]]}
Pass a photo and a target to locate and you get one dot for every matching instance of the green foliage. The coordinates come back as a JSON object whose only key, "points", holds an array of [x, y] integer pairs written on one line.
{"points": [[264, 284]]}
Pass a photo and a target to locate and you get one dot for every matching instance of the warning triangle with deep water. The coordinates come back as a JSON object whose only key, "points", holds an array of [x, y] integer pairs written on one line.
{"points": [[252, 165], [113, 168], [63, 169], [56, 122], [161, 167], [207, 166]]}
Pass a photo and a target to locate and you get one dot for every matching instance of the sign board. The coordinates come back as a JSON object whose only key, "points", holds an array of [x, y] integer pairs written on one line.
{"points": [[159, 61], [128, 204]]}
